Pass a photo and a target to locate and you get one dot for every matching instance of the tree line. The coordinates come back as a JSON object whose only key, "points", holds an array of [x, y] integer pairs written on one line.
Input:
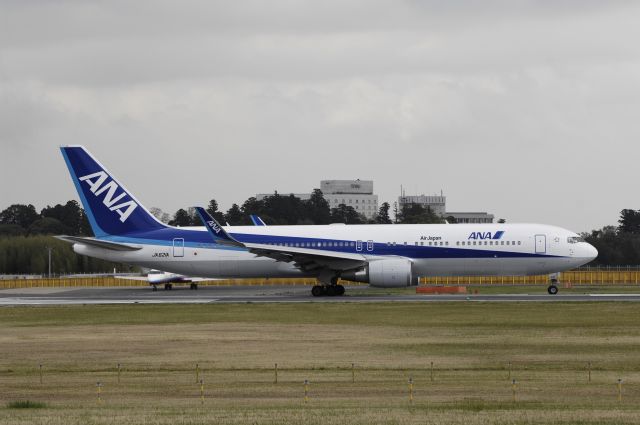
{"points": [[617, 245], [24, 230], [279, 209]]}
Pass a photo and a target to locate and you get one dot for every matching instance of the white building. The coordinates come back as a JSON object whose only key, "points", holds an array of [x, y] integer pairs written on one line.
{"points": [[436, 203], [357, 194], [470, 217]]}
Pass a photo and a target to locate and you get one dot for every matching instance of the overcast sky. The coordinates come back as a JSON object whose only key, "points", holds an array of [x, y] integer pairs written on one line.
{"points": [[529, 110]]}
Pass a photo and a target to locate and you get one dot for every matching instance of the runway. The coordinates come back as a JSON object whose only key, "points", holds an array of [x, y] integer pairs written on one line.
{"points": [[261, 294]]}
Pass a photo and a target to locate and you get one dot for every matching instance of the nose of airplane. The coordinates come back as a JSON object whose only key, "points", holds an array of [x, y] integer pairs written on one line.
{"points": [[591, 252]]}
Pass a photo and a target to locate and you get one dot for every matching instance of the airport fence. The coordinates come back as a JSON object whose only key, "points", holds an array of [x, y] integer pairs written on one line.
{"points": [[115, 282], [575, 277]]}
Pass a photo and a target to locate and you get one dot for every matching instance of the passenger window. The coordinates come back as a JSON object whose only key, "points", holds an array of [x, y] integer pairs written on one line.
{"points": [[519, 243], [421, 243]]}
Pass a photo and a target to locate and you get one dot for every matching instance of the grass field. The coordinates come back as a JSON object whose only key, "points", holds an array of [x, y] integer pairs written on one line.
{"points": [[548, 345]]}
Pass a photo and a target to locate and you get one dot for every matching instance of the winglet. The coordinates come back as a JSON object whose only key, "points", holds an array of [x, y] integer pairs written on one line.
{"points": [[215, 230], [257, 221]]}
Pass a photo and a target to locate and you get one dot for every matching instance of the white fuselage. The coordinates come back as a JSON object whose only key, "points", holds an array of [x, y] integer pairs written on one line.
{"points": [[434, 249]]}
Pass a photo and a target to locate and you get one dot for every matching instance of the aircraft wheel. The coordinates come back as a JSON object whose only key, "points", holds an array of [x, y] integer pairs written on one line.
{"points": [[332, 290], [317, 291], [552, 289], [339, 290], [167, 286], [155, 288], [195, 286]]}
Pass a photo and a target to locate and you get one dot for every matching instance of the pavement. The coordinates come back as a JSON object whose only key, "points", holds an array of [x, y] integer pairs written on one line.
{"points": [[260, 294]]}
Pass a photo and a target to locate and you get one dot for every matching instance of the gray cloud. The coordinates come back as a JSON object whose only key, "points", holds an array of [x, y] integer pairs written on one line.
{"points": [[525, 109]]}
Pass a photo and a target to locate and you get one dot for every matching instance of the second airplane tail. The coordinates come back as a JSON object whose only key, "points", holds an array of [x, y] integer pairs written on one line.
{"points": [[111, 209]]}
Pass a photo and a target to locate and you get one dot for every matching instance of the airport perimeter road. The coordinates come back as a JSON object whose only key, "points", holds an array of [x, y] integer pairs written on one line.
{"points": [[259, 294]]}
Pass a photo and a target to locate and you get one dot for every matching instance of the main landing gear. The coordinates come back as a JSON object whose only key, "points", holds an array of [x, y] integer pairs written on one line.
{"points": [[552, 289], [328, 290], [168, 286], [193, 286], [332, 289]]}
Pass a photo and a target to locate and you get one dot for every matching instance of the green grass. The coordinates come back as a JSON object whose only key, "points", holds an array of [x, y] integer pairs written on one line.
{"points": [[476, 348]]}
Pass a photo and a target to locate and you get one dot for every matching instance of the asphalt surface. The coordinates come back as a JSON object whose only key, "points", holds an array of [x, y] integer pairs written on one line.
{"points": [[259, 294]]}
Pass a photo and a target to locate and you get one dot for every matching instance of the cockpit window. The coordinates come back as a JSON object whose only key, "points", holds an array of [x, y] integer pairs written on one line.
{"points": [[575, 239]]}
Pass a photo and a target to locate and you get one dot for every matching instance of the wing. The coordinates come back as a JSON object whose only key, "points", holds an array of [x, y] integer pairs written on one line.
{"points": [[307, 260]]}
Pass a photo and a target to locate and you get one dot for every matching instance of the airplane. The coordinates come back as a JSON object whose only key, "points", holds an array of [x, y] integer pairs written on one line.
{"points": [[158, 277], [382, 255]]}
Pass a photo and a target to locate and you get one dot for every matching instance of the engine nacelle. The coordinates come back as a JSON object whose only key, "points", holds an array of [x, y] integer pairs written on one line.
{"points": [[388, 273]]}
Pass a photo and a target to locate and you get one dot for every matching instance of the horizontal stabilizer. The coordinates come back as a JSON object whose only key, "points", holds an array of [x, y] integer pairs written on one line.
{"points": [[99, 243]]}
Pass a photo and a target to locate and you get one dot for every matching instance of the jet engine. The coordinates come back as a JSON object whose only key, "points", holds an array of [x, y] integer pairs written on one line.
{"points": [[388, 273]]}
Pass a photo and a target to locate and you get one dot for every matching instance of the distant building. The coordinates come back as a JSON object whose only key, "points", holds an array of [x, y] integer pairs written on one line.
{"points": [[301, 196], [470, 217], [357, 194], [353, 193], [436, 203]]}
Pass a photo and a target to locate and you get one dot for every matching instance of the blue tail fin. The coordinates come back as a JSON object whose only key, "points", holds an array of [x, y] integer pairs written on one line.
{"points": [[256, 220], [216, 231], [111, 209]]}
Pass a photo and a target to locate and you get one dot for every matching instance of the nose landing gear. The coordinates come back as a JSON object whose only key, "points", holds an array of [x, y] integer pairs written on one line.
{"points": [[553, 284]]}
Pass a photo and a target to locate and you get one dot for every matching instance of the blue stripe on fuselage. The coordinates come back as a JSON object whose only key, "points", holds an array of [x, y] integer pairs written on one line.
{"points": [[202, 239]]}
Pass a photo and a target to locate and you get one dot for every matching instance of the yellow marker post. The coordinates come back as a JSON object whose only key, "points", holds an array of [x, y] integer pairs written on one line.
{"points": [[514, 385], [619, 390], [99, 391], [202, 391], [410, 390], [306, 390]]}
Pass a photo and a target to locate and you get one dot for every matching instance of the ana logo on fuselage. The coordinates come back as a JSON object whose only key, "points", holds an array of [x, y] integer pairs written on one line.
{"points": [[97, 185], [486, 235]]}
